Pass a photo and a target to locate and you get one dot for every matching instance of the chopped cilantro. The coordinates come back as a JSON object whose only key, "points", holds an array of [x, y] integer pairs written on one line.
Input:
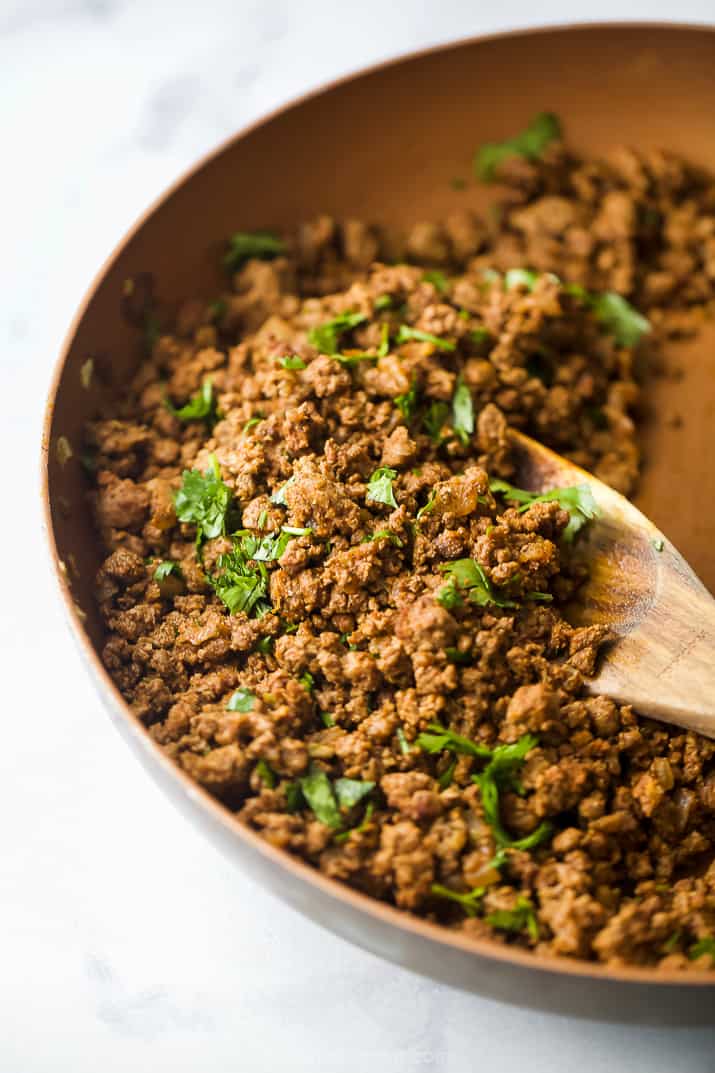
{"points": [[318, 792], [428, 507], [449, 596], [520, 277], [500, 773], [455, 655], [266, 774], [328, 719], [241, 701], [294, 796], [326, 337], [292, 361], [406, 333], [521, 918], [658, 544], [437, 279], [307, 681], [437, 738], [577, 500], [383, 301], [468, 575], [203, 500], [243, 245], [671, 943], [531, 841], [241, 586], [265, 645], [530, 143], [278, 496], [407, 402], [618, 317], [385, 534], [462, 412], [469, 902], [379, 488], [168, 566], [434, 419], [200, 407], [268, 548], [326, 799], [251, 423], [479, 336], [444, 781], [384, 348], [350, 792], [703, 946], [402, 741]]}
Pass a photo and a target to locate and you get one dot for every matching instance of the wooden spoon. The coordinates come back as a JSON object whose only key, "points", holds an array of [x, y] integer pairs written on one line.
{"points": [[662, 660]]}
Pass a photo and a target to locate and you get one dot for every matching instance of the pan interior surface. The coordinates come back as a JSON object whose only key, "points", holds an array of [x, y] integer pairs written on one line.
{"points": [[384, 147]]}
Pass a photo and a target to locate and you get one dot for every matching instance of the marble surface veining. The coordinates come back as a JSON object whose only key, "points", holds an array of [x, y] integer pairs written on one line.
{"points": [[126, 941]]}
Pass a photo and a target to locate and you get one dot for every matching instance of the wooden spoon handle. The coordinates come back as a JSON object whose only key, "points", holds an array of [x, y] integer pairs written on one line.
{"points": [[665, 667]]}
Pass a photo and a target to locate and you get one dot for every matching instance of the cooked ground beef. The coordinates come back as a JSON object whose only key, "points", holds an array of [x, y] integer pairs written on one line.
{"points": [[354, 640]]}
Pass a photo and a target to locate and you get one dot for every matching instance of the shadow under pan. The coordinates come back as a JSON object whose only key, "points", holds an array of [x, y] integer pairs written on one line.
{"points": [[384, 146]]}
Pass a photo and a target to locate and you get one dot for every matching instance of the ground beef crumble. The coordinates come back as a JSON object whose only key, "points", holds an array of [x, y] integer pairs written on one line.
{"points": [[358, 651]]}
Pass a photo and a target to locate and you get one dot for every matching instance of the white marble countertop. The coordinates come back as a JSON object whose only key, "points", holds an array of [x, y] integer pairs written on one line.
{"points": [[103, 103]]}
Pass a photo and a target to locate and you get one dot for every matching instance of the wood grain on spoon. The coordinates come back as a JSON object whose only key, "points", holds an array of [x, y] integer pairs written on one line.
{"points": [[662, 660]]}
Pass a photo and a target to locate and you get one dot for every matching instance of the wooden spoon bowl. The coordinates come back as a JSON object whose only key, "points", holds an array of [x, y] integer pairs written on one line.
{"points": [[385, 146]]}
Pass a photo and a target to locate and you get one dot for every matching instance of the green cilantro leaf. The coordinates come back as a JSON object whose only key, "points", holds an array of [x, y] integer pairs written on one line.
{"points": [[702, 946], [200, 407], [469, 902], [328, 719], [318, 792], [203, 500], [294, 796], [168, 566], [434, 419], [241, 701], [326, 337], [278, 496], [539, 835], [444, 781], [350, 792], [468, 575], [520, 277], [530, 143], [270, 547], [449, 596], [437, 738], [658, 543], [307, 681], [241, 586], [455, 655], [576, 499], [383, 301], [406, 333], [384, 534], [292, 361], [243, 245], [266, 774], [402, 741], [626, 324], [428, 507], [437, 279], [407, 402], [521, 918], [379, 488], [462, 412]]}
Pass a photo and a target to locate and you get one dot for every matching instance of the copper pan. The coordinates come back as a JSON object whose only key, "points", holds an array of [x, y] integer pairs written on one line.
{"points": [[383, 145]]}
